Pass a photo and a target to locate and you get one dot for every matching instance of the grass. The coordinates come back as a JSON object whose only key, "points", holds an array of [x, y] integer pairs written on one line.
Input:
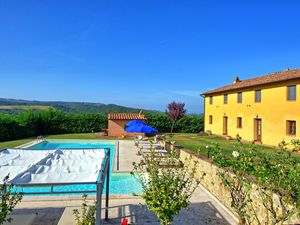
{"points": [[15, 143], [72, 136], [198, 144], [84, 136], [190, 141]]}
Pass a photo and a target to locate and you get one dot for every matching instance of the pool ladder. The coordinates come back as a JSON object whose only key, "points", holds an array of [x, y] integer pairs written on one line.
{"points": [[40, 139]]}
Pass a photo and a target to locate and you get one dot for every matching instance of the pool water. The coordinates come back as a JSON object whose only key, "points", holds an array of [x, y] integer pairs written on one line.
{"points": [[120, 183], [73, 145]]}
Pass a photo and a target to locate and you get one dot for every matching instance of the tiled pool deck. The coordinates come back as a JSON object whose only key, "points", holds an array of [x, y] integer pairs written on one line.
{"points": [[204, 208]]}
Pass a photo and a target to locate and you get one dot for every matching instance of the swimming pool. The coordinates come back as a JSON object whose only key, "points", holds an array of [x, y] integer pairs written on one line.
{"points": [[73, 144], [120, 183]]}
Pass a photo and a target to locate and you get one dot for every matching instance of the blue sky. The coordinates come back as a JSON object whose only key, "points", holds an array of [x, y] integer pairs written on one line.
{"points": [[141, 53]]}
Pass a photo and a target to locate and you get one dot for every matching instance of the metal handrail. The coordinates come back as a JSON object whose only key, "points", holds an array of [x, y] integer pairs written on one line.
{"points": [[50, 184]]}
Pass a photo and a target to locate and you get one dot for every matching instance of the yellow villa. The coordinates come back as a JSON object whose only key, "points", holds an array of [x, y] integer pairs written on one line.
{"points": [[263, 109]]}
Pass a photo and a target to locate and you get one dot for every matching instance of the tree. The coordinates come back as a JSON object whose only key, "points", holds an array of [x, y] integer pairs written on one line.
{"points": [[175, 110], [167, 183]]}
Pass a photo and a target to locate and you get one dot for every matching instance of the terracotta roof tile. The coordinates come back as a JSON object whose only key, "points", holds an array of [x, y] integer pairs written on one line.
{"points": [[270, 78], [126, 116]]}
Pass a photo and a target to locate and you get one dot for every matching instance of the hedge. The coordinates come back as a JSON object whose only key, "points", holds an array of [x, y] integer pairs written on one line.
{"points": [[29, 124], [34, 123], [187, 124]]}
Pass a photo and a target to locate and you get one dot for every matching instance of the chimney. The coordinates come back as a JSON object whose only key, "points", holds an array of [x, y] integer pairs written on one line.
{"points": [[236, 80]]}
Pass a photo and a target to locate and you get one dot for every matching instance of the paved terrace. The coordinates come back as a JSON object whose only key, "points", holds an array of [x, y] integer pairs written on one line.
{"points": [[125, 155], [204, 208]]}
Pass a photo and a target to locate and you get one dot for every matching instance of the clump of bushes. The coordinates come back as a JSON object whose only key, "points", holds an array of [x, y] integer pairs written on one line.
{"points": [[34, 123], [29, 123], [167, 184]]}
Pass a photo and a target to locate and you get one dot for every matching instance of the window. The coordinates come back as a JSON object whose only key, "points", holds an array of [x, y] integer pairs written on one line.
{"points": [[225, 98], [211, 100], [291, 92], [210, 119], [258, 96], [291, 127], [239, 122], [239, 97]]}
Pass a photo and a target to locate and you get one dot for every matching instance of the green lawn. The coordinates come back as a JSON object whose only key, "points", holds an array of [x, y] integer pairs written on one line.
{"points": [[198, 143], [15, 143], [189, 141], [12, 144], [72, 136], [83, 136]]}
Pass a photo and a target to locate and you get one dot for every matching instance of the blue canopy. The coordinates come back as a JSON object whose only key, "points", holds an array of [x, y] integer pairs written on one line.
{"points": [[141, 128], [134, 122]]}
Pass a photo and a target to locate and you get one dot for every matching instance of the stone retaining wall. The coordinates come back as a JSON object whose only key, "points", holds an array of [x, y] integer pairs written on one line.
{"points": [[207, 173]]}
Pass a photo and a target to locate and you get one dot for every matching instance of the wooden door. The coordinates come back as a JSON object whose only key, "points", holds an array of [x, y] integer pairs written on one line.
{"points": [[257, 130], [225, 125]]}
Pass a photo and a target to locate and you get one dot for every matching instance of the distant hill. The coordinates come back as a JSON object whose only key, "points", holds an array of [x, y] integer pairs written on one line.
{"points": [[17, 105]]}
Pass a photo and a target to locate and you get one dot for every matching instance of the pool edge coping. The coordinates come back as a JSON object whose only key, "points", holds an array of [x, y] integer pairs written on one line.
{"points": [[76, 198]]}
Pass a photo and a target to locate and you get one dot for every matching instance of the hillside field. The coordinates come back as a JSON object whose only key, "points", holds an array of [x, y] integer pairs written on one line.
{"points": [[25, 107]]}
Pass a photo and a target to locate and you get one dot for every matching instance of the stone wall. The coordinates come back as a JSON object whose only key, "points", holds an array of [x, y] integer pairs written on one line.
{"points": [[207, 173]]}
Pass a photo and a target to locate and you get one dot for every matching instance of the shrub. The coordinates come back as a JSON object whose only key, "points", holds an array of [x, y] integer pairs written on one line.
{"points": [[87, 216], [209, 133], [202, 133], [167, 186], [9, 199], [296, 145]]}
